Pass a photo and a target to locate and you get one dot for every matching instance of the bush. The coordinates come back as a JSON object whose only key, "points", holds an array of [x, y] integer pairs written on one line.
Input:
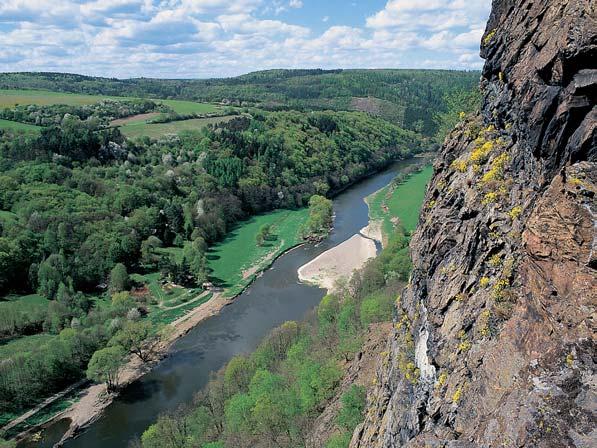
{"points": [[353, 405], [376, 308], [119, 278], [339, 440]]}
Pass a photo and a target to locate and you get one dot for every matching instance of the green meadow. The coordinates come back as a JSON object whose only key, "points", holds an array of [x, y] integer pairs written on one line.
{"points": [[15, 125], [156, 130], [236, 260], [402, 200], [10, 98], [189, 107]]}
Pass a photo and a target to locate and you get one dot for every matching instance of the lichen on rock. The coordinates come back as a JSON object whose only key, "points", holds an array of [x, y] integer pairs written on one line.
{"points": [[494, 339]]}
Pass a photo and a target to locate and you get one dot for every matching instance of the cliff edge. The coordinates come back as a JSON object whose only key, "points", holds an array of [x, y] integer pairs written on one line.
{"points": [[494, 338]]}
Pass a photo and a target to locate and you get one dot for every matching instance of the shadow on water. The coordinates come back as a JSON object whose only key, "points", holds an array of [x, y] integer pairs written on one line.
{"points": [[272, 299]]}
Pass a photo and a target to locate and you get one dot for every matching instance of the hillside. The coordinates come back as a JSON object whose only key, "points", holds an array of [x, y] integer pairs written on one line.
{"points": [[494, 339], [404, 97]]}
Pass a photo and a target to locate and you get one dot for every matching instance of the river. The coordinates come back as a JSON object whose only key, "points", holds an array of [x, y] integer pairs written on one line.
{"points": [[272, 299]]}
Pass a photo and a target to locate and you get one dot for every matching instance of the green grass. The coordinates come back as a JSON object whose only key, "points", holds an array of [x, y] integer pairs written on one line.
{"points": [[403, 201], [160, 317], [166, 296], [189, 107], [26, 303], [10, 98], [24, 344], [14, 125], [157, 130], [239, 252], [175, 252]]}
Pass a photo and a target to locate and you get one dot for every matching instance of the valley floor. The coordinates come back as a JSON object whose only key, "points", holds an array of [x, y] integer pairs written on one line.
{"points": [[235, 263]]}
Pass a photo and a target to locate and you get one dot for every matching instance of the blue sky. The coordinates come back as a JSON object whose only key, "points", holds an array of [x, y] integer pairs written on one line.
{"points": [[216, 38]]}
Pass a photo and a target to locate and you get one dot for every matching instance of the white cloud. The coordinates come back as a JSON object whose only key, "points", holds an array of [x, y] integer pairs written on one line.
{"points": [[430, 14], [204, 38], [246, 24]]}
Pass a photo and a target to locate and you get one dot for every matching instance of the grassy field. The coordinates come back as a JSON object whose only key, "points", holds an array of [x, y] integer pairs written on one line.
{"points": [[10, 98], [235, 261], [167, 316], [156, 130], [189, 107], [403, 201], [134, 128], [31, 304], [24, 344], [6, 124], [26, 303]]}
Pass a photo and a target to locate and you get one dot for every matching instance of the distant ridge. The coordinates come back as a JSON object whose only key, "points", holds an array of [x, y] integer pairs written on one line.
{"points": [[401, 96]]}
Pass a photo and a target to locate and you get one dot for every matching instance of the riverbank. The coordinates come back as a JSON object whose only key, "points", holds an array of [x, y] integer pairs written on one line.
{"points": [[95, 399], [275, 294], [398, 203], [338, 263], [246, 261]]}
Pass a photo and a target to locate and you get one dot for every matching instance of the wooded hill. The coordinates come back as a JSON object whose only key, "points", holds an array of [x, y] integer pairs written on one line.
{"points": [[404, 97]]}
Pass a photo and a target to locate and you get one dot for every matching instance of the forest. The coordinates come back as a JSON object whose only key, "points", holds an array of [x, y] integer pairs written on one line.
{"points": [[83, 208], [408, 98]]}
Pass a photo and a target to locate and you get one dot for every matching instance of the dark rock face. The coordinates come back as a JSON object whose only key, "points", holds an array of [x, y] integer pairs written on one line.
{"points": [[494, 342]]}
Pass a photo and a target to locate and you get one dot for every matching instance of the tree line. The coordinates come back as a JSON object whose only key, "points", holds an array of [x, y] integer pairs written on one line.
{"points": [[409, 97]]}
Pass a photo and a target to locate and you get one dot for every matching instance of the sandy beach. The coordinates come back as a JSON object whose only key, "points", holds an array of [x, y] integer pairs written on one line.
{"points": [[374, 231], [338, 263]]}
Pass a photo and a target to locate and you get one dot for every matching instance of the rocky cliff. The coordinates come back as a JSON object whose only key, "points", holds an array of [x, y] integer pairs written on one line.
{"points": [[494, 339]]}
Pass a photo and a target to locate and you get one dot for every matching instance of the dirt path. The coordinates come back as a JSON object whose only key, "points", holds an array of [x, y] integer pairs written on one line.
{"points": [[39, 407], [196, 299]]}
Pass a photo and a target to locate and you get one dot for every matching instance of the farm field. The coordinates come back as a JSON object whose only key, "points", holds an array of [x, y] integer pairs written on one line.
{"points": [[236, 260], [403, 200], [156, 130], [6, 124], [189, 107], [141, 118], [10, 98]]}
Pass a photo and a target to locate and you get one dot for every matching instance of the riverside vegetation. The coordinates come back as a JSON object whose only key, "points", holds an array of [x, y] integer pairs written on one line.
{"points": [[272, 397], [100, 235], [78, 201]]}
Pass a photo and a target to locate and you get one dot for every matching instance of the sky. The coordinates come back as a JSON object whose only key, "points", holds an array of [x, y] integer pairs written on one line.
{"points": [[222, 38]]}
